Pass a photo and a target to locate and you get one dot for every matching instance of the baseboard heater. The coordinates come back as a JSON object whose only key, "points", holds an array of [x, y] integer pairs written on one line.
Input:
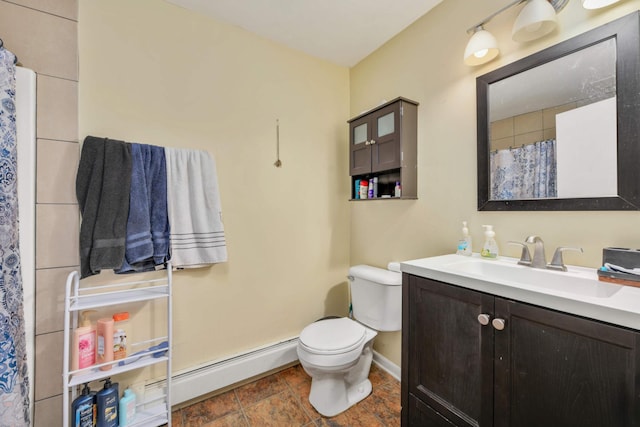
{"points": [[205, 379]]}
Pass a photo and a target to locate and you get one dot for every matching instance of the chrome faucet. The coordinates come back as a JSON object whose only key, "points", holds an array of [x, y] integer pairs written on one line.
{"points": [[539, 259], [525, 256], [556, 262]]}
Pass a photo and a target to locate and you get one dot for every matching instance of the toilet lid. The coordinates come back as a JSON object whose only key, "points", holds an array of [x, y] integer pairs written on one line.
{"points": [[333, 335]]}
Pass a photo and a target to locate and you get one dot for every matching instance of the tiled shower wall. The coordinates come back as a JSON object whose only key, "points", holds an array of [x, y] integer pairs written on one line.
{"points": [[43, 34]]}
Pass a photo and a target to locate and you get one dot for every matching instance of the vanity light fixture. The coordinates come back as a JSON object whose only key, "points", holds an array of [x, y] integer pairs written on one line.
{"points": [[482, 47], [536, 19], [597, 4]]}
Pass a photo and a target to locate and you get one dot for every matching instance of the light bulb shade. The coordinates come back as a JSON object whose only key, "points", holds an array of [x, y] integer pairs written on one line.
{"points": [[597, 4], [536, 19], [482, 47]]}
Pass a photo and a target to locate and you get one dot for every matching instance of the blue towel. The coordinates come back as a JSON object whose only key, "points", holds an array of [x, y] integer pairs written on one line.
{"points": [[159, 216], [148, 223]]}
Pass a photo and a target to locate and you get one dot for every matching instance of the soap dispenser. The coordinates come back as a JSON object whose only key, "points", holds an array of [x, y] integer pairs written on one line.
{"points": [[490, 248], [464, 244]]}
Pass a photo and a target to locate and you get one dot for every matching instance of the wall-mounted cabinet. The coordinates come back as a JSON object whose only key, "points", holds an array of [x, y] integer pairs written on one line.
{"points": [[383, 145]]}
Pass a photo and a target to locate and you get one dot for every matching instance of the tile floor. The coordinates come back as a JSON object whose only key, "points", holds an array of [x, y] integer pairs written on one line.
{"points": [[281, 400]]}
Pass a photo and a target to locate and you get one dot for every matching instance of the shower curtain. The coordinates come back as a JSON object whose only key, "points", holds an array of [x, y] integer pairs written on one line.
{"points": [[14, 382], [527, 172]]}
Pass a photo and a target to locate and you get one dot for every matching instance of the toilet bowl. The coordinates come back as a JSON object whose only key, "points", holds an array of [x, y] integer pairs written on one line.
{"points": [[337, 353]]}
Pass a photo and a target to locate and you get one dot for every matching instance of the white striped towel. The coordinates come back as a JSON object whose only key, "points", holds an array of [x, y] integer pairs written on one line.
{"points": [[195, 215]]}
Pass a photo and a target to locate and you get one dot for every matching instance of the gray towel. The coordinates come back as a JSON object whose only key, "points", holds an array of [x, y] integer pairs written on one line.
{"points": [[102, 188]]}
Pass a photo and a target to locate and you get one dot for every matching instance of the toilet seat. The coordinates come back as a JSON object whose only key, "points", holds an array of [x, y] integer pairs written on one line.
{"points": [[333, 336]]}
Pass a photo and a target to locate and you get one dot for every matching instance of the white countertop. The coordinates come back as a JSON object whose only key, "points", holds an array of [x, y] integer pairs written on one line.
{"points": [[621, 308]]}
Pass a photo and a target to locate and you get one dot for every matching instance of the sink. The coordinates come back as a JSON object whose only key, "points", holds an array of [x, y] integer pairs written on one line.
{"points": [[578, 281]]}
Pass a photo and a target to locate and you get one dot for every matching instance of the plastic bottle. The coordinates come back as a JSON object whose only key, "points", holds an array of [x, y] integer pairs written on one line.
{"points": [[370, 189], [398, 190], [127, 408], [375, 186], [82, 411], [490, 248], [121, 322], [104, 352], [107, 405], [83, 352], [464, 244], [357, 189], [364, 187]]}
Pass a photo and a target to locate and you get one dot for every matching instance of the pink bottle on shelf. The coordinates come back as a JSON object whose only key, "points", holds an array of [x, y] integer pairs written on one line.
{"points": [[83, 351], [104, 352]]}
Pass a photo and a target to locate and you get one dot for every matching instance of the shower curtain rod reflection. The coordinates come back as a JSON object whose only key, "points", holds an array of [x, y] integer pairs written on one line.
{"points": [[15, 60]]}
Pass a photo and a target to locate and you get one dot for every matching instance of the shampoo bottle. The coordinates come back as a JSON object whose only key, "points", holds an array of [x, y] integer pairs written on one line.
{"points": [[121, 321], [127, 409], [83, 351], [82, 412], [104, 351], [107, 405], [464, 244], [490, 248]]}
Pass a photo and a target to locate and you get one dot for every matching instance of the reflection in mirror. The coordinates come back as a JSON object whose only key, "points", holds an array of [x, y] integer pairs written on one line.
{"points": [[553, 128], [559, 129]]}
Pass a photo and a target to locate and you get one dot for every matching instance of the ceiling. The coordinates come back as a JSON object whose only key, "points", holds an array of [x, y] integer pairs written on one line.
{"points": [[341, 31]]}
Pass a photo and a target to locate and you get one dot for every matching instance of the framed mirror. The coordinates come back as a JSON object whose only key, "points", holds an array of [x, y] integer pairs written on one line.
{"points": [[560, 129]]}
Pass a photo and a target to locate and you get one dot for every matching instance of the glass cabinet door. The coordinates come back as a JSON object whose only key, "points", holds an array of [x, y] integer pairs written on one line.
{"points": [[360, 134], [386, 125]]}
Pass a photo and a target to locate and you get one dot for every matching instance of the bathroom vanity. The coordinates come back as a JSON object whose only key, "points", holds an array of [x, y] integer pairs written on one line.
{"points": [[493, 343]]}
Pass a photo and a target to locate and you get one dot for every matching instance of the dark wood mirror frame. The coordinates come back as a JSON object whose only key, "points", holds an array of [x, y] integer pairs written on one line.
{"points": [[626, 31]]}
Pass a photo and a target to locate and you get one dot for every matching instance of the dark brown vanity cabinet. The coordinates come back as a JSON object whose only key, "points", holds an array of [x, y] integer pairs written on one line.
{"points": [[383, 144], [474, 359]]}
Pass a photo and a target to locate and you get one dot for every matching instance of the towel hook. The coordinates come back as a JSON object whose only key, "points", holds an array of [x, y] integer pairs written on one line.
{"points": [[277, 163]]}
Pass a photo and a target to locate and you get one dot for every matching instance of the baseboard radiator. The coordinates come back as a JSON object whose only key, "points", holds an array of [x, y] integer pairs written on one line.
{"points": [[205, 379]]}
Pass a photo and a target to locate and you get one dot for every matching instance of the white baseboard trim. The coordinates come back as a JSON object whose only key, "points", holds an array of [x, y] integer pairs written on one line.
{"points": [[387, 365], [207, 378]]}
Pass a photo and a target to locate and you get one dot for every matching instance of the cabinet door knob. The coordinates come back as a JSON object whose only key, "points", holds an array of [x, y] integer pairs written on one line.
{"points": [[483, 319], [498, 324], [373, 141], [367, 143]]}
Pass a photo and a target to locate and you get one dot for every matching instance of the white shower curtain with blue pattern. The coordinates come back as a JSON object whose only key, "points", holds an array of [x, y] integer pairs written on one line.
{"points": [[14, 382], [527, 172]]}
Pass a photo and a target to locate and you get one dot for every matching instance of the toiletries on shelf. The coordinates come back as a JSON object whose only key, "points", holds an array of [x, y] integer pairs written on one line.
{"points": [[127, 408], [83, 351], [398, 190], [82, 409], [107, 405], [375, 186], [364, 188], [121, 321], [490, 248], [357, 189], [370, 195], [464, 244], [104, 351]]}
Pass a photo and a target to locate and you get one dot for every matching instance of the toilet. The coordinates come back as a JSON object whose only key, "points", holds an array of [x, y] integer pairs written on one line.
{"points": [[337, 352]]}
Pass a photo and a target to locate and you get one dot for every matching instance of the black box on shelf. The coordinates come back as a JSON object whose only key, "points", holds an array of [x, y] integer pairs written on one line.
{"points": [[624, 257]]}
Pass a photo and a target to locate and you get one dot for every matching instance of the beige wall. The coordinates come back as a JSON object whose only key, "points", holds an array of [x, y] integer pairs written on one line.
{"points": [[424, 63], [154, 73]]}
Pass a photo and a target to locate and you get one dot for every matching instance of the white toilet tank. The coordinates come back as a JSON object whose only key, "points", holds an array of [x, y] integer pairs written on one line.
{"points": [[376, 297]]}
